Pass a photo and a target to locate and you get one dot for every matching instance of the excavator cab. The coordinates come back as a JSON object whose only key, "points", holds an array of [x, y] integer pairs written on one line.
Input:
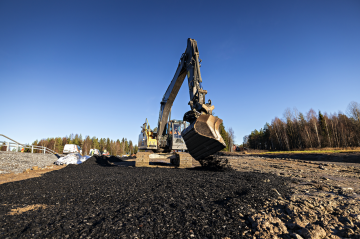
{"points": [[176, 142]]}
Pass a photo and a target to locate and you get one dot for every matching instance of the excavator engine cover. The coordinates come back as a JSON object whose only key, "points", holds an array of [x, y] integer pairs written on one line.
{"points": [[202, 137]]}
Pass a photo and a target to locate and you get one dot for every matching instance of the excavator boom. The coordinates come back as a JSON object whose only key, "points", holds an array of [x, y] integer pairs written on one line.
{"points": [[202, 137]]}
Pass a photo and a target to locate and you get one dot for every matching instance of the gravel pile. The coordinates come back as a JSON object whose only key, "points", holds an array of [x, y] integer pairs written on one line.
{"points": [[14, 162], [97, 200]]}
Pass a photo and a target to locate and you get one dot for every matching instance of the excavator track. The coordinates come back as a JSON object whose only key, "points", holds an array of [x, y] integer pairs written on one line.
{"points": [[202, 137]]}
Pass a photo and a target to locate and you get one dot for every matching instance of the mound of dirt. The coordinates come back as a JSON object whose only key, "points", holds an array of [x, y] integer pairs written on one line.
{"points": [[102, 160], [97, 199], [215, 163]]}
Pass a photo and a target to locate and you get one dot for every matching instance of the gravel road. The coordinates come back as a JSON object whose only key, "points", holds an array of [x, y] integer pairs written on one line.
{"points": [[14, 162], [98, 200]]}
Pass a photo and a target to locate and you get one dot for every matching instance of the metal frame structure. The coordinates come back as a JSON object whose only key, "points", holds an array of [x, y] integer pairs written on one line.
{"points": [[25, 146]]}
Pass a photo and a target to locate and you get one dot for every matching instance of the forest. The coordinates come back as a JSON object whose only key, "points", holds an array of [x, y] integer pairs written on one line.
{"points": [[298, 131], [113, 147]]}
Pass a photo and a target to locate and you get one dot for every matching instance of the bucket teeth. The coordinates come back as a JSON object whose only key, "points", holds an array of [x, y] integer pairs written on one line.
{"points": [[202, 137]]}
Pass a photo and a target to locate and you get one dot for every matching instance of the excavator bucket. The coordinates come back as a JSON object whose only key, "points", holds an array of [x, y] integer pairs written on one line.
{"points": [[202, 137]]}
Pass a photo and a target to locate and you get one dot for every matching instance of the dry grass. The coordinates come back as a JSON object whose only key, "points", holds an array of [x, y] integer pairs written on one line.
{"points": [[19, 210]]}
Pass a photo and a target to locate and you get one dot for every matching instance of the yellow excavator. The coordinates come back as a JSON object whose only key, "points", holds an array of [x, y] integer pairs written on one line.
{"points": [[198, 132]]}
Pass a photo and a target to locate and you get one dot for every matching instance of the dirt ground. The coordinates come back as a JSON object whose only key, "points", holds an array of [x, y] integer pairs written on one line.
{"points": [[29, 173], [325, 201], [326, 193]]}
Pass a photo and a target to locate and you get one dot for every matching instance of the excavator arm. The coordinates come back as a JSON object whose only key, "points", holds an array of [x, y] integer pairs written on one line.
{"points": [[170, 95], [202, 137]]}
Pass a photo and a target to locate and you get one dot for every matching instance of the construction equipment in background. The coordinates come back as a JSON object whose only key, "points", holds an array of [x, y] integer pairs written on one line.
{"points": [[147, 138], [72, 148], [106, 153], [200, 133], [94, 152]]}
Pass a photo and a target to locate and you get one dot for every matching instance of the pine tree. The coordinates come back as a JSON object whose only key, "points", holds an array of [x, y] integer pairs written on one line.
{"points": [[118, 147], [108, 145], [126, 146], [122, 146], [131, 148], [59, 147], [224, 135], [95, 143], [102, 144], [76, 140]]}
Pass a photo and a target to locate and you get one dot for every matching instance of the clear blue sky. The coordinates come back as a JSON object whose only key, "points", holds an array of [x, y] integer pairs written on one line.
{"points": [[100, 68]]}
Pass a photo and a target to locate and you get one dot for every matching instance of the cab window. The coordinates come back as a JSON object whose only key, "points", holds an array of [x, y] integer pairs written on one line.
{"points": [[170, 130], [177, 131]]}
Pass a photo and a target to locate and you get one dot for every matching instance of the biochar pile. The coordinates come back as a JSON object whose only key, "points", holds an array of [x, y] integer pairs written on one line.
{"points": [[96, 199]]}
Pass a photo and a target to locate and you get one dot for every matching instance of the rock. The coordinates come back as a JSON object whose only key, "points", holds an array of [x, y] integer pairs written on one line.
{"points": [[312, 231], [346, 221], [356, 216], [27, 170], [322, 167], [267, 225], [276, 191], [35, 168], [334, 237], [324, 188], [349, 232], [298, 223], [296, 236]]}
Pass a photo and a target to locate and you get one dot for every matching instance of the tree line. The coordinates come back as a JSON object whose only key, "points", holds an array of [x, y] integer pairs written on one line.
{"points": [[312, 130], [114, 147], [227, 135]]}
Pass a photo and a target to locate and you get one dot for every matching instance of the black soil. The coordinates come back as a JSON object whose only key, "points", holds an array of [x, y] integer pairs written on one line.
{"points": [[97, 200]]}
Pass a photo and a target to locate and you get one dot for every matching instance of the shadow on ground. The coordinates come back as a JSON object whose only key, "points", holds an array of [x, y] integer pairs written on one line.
{"points": [[103, 160]]}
